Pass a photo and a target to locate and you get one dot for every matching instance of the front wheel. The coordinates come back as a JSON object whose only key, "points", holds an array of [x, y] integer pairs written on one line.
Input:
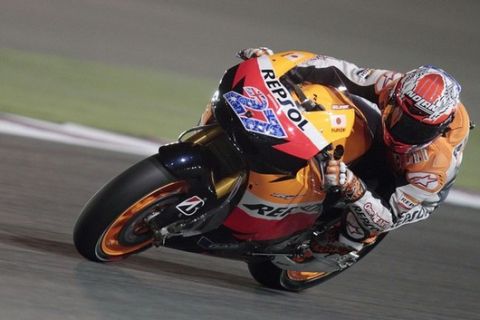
{"points": [[269, 275], [112, 224]]}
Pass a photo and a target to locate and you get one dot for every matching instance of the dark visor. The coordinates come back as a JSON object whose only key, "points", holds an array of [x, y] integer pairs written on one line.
{"points": [[410, 131]]}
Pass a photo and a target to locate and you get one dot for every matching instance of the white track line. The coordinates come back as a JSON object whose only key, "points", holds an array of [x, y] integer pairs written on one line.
{"points": [[74, 134]]}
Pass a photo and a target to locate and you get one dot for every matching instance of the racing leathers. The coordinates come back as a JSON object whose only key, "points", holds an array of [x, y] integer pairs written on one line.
{"points": [[422, 178]]}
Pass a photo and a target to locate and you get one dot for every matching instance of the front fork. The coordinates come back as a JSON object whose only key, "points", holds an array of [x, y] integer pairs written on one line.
{"points": [[213, 184]]}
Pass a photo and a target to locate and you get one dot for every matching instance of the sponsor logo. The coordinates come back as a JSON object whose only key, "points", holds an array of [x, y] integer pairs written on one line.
{"points": [[405, 202], [293, 56], [411, 216], [363, 219], [375, 216], [288, 107], [338, 123], [340, 106], [274, 212], [282, 96], [421, 103], [254, 113], [365, 73], [369, 209], [417, 157], [353, 228], [433, 94], [190, 206], [286, 196], [427, 181]]}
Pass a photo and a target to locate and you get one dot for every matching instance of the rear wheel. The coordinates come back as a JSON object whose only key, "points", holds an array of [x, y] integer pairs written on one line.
{"points": [[269, 275], [112, 224]]}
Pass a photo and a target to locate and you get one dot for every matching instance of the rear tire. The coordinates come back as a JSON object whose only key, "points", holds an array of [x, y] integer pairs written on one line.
{"points": [[110, 225], [271, 276]]}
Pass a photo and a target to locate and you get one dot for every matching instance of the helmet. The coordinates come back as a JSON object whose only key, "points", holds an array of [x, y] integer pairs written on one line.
{"points": [[422, 105]]}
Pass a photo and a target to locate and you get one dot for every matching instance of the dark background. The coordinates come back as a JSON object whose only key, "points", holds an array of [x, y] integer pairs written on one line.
{"points": [[201, 37]]}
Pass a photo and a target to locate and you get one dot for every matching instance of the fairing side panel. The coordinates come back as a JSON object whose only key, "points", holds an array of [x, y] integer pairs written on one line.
{"points": [[275, 206]]}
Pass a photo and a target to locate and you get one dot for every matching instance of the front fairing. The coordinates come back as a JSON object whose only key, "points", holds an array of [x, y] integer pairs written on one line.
{"points": [[255, 106]]}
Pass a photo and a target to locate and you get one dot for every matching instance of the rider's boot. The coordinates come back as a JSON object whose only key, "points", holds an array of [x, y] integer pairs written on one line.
{"points": [[329, 245], [346, 237], [333, 242], [341, 244]]}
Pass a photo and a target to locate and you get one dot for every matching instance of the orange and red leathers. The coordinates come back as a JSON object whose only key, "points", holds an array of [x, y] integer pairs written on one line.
{"points": [[424, 175]]}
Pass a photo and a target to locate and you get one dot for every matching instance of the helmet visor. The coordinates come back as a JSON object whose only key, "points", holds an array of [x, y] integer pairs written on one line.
{"points": [[405, 129]]}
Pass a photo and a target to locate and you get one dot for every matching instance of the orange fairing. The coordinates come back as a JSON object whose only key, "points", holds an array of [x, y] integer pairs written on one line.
{"points": [[336, 121], [276, 206], [285, 61], [305, 187], [110, 244], [341, 123]]}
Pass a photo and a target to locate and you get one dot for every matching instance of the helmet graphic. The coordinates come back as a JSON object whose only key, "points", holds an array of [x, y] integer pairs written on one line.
{"points": [[422, 106]]}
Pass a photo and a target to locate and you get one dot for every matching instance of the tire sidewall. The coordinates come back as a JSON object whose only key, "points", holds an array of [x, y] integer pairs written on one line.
{"points": [[112, 200]]}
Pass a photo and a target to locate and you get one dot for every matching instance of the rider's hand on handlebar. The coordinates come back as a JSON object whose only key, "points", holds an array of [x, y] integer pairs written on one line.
{"points": [[248, 53], [337, 175]]}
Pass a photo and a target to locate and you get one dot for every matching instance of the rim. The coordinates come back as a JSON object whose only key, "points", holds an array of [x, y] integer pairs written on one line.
{"points": [[128, 233], [304, 275]]}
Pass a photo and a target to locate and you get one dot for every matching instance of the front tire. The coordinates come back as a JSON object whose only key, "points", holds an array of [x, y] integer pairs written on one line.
{"points": [[111, 225]]}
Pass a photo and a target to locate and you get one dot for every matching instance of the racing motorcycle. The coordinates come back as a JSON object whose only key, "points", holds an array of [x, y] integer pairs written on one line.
{"points": [[246, 183]]}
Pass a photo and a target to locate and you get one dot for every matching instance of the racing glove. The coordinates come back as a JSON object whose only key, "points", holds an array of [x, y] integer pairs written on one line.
{"points": [[368, 215], [249, 53], [338, 175]]}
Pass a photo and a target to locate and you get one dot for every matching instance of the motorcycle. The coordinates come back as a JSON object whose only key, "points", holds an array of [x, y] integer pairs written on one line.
{"points": [[246, 183]]}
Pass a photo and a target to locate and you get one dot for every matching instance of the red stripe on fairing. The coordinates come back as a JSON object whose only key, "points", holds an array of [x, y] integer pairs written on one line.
{"points": [[246, 227], [249, 71], [298, 144]]}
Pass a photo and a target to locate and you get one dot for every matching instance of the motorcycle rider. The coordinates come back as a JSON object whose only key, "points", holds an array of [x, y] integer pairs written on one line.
{"points": [[422, 134]]}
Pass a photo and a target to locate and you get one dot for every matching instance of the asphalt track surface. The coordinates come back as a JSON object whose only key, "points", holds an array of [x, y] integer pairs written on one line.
{"points": [[429, 270]]}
